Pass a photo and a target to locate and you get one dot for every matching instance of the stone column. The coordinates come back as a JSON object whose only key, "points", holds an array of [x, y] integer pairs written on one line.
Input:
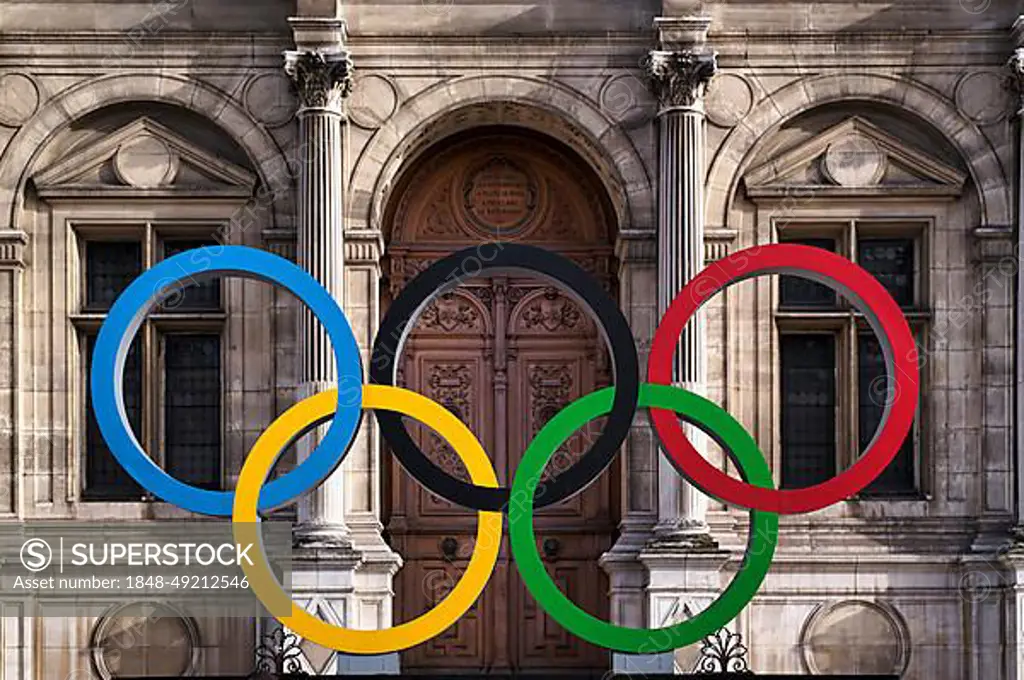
{"points": [[680, 70], [1016, 65], [323, 79]]}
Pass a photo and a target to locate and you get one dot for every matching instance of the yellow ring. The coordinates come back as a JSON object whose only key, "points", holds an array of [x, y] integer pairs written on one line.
{"points": [[264, 584]]}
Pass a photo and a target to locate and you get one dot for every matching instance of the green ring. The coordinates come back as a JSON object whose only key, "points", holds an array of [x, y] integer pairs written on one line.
{"points": [[760, 545]]}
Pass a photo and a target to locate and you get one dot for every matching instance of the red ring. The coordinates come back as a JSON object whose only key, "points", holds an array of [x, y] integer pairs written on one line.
{"points": [[888, 323]]}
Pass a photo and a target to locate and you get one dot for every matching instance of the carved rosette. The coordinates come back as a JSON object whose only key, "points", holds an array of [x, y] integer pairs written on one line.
{"points": [[323, 80], [680, 78]]}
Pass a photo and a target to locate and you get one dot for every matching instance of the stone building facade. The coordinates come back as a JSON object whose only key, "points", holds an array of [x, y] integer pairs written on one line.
{"points": [[643, 139]]}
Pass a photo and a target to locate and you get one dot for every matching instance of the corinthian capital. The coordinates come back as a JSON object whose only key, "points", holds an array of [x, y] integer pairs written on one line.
{"points": [[1015, 83], [679, 70], [322, 79], [680, 78]]}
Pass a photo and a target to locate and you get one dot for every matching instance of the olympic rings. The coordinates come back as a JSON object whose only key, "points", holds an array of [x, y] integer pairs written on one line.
{"points": [[882, 314], [484, 495], [297, 420], [764, 526], [123, 322], [448, 273]]}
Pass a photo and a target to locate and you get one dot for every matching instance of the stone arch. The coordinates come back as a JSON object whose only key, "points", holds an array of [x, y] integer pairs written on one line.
{"points": [[903, 95], [16, 165], [456, 105]]}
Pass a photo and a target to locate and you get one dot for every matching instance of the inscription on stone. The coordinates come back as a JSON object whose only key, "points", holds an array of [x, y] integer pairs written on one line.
{"points": [[500, 196]]}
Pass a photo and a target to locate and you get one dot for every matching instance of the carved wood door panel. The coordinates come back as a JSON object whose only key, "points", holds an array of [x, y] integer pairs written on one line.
{"points": [[555, 357], [504, 354], [447, 360], [505, 357]]}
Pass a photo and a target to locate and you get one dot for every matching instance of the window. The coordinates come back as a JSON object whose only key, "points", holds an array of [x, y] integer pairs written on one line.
{"points": [[832, 373], [172, 381]]}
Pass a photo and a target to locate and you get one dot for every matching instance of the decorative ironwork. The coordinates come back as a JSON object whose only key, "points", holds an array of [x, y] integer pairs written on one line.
{"points": [[723, 652], [278, 654]]}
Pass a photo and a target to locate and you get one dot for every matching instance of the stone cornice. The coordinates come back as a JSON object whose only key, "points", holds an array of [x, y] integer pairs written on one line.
{"points": [[718, 243], [636, 246], [994, 244], [281, 242], [363, 246], [314, 33], [323, 80], [12, 248]]}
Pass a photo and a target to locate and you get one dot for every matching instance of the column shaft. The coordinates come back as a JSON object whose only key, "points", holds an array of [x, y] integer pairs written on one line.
{"points": [[323, 80], [680, 73]]}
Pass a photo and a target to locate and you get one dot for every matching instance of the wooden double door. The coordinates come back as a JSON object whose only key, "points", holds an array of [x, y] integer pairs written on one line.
{"points": [[504, 355]]}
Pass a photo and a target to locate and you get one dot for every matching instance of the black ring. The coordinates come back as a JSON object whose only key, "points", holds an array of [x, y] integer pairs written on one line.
{"points": [[448, 273]]}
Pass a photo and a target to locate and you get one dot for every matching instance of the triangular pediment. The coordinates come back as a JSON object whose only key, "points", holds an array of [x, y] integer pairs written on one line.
{"points": [[147, 158], [853, 158]]}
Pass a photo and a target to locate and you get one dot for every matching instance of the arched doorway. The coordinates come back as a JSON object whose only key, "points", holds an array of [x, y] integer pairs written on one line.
{"points": [[505, 354]]}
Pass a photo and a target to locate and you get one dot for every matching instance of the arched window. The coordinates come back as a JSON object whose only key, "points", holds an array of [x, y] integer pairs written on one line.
{"points": [[136, 195], [877, 198]]}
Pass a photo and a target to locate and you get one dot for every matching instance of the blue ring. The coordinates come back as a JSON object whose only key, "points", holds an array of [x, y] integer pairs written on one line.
{"points": [[123, 322]]}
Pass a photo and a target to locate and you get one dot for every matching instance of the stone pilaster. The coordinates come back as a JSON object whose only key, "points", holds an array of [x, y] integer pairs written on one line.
{"points": [[627, 575], [679, 72], [1014, 613], [323, 79], [374, 593], [1016, 66], [12, 265]]}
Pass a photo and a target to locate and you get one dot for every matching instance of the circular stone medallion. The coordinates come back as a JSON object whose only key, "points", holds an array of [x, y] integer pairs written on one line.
{"points": [[373, 101], [270, 100], [19, 99], [500, 197], [143, 639], [854, 161], [146, 162], [729, 100], [983, 97], [855, 637]]}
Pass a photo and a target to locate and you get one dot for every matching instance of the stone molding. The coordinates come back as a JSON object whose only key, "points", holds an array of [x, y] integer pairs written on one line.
{"points": [[805, 94], [637, 246], [12, 248], [994, 244], [318, 32], [718, 243], [442, 109], [323, 79], [365, 246], [188, 93]]}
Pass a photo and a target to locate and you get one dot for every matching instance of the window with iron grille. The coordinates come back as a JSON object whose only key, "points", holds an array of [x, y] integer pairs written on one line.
{"points": [[172, 382], [832, 378]]}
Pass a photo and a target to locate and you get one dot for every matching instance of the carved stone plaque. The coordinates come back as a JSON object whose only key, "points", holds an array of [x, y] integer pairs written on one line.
{"points": [[854, 161], [146, 162], [500, 197]]}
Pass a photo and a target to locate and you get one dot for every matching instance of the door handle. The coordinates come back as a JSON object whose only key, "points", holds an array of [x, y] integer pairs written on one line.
{"points": [[450, 547], [551, 548]]}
